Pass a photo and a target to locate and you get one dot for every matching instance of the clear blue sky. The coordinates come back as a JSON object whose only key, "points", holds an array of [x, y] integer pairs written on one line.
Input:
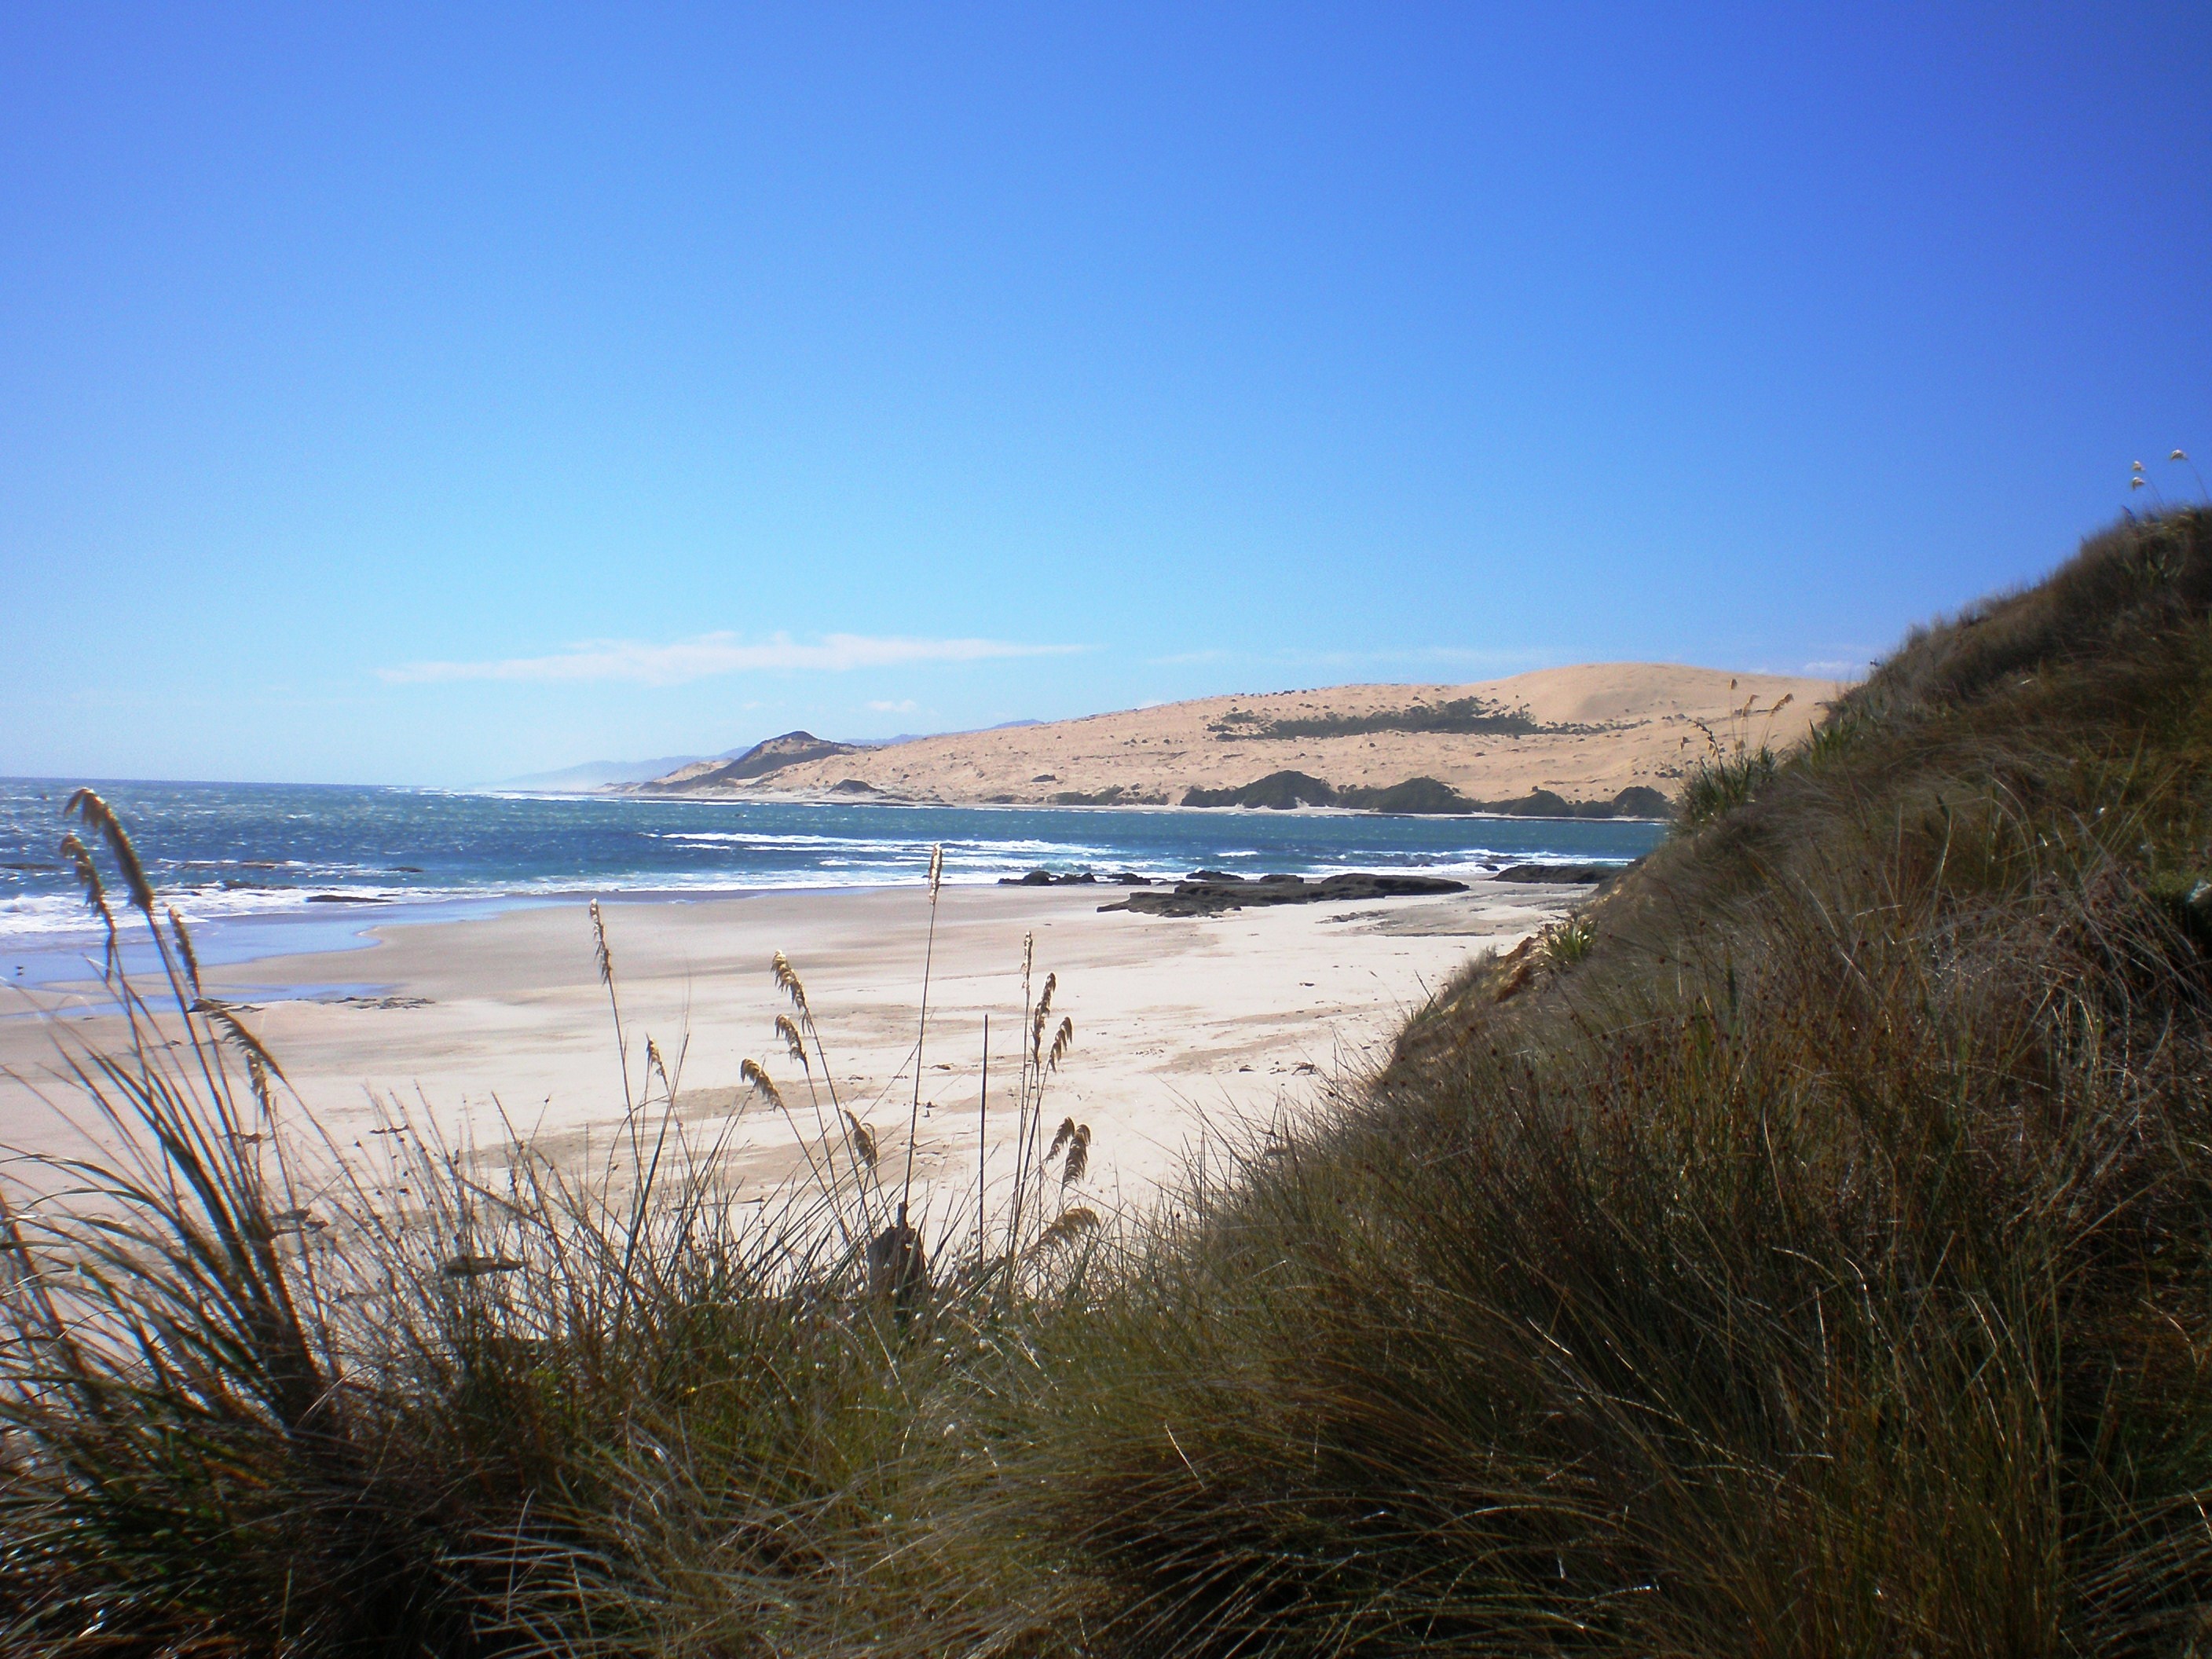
{"points": [[435, 395]]}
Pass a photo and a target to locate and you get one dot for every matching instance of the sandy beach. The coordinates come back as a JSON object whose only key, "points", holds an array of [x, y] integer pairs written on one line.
{"points": [[1191, 1033]]}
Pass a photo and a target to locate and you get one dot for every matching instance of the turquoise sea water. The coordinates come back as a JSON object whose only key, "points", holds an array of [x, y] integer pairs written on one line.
{"points": [[262, 868]]}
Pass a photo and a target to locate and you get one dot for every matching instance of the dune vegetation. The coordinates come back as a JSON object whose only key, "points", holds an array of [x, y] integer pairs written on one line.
{"points": [[1803, 1251]]}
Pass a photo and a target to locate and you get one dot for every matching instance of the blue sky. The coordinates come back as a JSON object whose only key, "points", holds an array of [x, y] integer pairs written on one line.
{"points": [[432, 395]]}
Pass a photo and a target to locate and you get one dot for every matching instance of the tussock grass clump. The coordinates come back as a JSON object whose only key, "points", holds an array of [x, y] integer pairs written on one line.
{"points": [[1821, 1266], [257, 1397], [1722, 782], [1738, 762]]}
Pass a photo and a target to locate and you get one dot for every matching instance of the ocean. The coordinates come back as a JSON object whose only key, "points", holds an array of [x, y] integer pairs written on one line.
{"points": [[264, 869]]}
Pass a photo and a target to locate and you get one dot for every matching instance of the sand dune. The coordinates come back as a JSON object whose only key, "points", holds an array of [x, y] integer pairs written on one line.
{"points": [[1604, 728]]}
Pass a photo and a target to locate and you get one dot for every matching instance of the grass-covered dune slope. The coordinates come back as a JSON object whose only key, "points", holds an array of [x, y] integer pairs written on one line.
{"points": [[1807, 1253], [1803, 1252]]}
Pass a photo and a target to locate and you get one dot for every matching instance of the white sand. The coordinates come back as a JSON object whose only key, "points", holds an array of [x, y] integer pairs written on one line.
{"points": [[1185, 1028]]}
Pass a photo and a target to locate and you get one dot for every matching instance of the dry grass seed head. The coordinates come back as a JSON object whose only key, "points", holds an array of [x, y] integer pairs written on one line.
{"points": [[1065, 1134], [749, 1073], [1078, 1155], [1038, 1020], [788, 981], [863, 1140], [1062, 1040], [88, 881], [599, 951], [227, 1025], [184, 949], [1070, 1224], [787, 1029], [87, 872], [96, 814]]}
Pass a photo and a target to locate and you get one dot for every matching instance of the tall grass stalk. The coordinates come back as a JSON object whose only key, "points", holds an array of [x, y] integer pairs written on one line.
{"points": [[922, 1028]]}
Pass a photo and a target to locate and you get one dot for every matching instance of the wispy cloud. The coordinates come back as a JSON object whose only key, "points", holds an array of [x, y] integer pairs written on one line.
{"points": [[903, 706], [710, 654]]}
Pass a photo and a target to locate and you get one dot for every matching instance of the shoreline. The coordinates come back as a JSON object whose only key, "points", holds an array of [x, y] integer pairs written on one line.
{"points": [[1187, 1030], [817, 798], [61, 960], [491, 853]]}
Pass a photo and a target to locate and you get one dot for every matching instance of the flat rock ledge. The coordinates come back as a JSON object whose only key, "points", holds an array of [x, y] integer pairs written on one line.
{"points": [[1210, 892], [1561, 875], [1076, 878]]}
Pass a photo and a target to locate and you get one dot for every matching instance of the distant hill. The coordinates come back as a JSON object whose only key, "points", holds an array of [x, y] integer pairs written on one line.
{"points": [[1599, 738], [760, 760], [772, 755]]}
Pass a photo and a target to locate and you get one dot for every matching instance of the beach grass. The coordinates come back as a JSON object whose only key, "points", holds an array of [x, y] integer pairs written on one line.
{"points": [[1803, 1251]]}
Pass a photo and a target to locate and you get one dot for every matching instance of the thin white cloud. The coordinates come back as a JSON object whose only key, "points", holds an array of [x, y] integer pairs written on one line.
{"points": [[710, 654], [903, 706]]}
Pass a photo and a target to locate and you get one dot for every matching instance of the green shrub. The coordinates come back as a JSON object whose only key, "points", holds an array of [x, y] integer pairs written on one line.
{"points": [[1717, 786], [1567, 943]]}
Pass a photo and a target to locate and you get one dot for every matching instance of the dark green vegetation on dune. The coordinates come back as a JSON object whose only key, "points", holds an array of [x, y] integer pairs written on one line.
{"points": [[1466, 716], [1426, 797], [1804, 1251]]}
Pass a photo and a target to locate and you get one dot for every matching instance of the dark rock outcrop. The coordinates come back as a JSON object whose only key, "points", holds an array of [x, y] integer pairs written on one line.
{"points": [[1636, 801], [1278, 790], [1112, 795], [1429, 797], [1207, 898], [1641, 801], [1562, 875]]}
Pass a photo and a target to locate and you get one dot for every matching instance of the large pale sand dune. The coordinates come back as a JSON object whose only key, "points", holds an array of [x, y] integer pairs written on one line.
{"points": [[1189, 1032], [1637, 724]]}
